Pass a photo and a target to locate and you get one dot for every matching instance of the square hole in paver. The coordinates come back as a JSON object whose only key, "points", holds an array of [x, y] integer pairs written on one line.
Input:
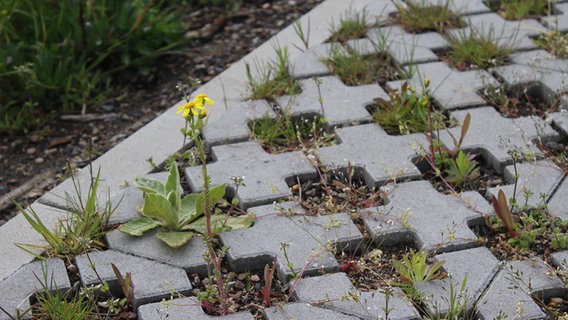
{"points": [[337, 190], [354, 68], [522, 9], [474, 52], [285, 133], [460, 171], [417, 16], [521, 100]]}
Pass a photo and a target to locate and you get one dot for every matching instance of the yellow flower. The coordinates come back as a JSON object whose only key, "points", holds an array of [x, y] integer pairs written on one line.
{"points": [[196, 107], [202, 99]]}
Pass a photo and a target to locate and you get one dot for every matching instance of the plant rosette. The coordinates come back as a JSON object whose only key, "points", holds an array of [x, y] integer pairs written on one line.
{"points": [[179, 217]]}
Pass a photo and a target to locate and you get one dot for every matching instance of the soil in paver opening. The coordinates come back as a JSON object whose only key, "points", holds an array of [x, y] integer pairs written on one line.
{"points": [[373, 269], [446, 56], [245, 293], [354, 69], [488, 178], [519, 101], [297, 133], [556, 152], [336, 191], [498, 6]]}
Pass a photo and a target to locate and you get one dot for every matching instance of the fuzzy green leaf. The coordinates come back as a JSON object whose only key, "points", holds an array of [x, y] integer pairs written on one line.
{"points": [[173, 181], [175, 239], [222, 222], [189, 210], [149, 185], [138, 227], [158, 206], [216, 193]]}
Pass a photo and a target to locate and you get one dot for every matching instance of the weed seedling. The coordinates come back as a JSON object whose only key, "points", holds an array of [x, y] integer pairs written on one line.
{"points": [[351, 26], [415, 268], [520, 9], [554, 42]]}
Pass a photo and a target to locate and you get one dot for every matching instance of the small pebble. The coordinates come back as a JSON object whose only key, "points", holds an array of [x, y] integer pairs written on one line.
{"points": [[254, 278], [39, 160]]}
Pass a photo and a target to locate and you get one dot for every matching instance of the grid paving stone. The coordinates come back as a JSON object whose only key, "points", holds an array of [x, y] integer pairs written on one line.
{"points": [[560, 20], [380, 10], [407, 48], [540, 178], [152, 280], [293, 311], [129, 199], [510, 289], [464, 7], [229, 123], [417, 212], [183, 309], [310, 63], [450, 88], [368, 147], [492, 135], [476, 267], [265, 174], [189, 257], [506, 34], [558, 204], [547, 74], [341, 104], [329, 291], [560, 259], [560, 121], [306, 238], [20, 286]]}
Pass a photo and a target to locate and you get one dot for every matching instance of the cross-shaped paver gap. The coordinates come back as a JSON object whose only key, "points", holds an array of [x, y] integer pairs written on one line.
{"points": [[265, 175], [342, 105], [494, 135], [451, 89], [417, 213], [300, 243], [381, 157]]}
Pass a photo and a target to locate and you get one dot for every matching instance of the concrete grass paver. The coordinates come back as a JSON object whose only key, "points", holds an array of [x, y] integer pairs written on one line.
{"points": [[413, 212], [417, 213], [335, 292], [32, 278], [342, 104], [513, 288], [264, 174], [536, 182], [450, 88], [153, 281], [380, 156], [495, 136], [298, 243]]}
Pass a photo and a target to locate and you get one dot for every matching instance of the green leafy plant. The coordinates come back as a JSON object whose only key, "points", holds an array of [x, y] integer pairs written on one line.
{"points": [[127, 287], [477, 50], [357, 69], [59, 56], [180, 217], [405, 111], [414, 268], [462, 169], [417, 17], [81, 231], [274, 78]]}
